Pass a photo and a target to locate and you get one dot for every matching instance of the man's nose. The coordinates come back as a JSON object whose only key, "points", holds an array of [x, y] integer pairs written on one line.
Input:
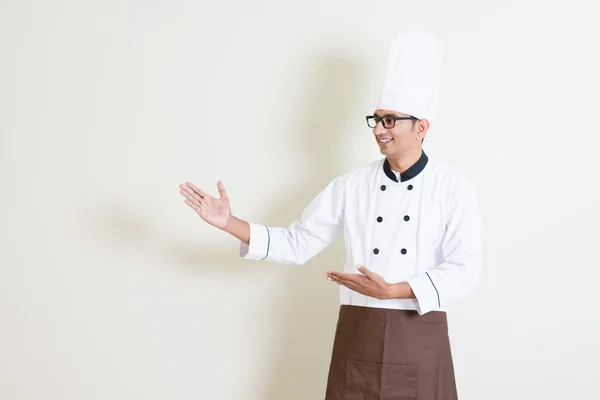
{"points": [[379, 128]]}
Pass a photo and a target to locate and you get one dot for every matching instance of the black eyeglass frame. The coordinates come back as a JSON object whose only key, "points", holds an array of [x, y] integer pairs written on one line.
{"points": [[370, 118]]}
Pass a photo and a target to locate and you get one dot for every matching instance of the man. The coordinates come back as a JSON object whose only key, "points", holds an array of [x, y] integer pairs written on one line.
{"points": [[412, 233]]}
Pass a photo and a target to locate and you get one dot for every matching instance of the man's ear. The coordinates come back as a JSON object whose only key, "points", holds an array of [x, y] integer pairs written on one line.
{"points": [[422, 128]]}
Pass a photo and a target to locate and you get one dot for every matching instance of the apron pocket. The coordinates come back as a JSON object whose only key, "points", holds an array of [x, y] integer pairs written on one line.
{"points": [[373, 381]]}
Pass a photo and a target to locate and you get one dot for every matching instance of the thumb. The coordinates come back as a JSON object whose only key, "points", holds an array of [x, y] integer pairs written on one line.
{"points": [[364, 270], [222, 192]]}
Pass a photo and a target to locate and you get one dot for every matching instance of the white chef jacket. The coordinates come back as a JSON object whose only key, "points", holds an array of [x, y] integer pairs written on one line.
{"points": [[423, 228]]}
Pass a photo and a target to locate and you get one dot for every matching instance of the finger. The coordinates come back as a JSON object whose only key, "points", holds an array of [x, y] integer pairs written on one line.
{"points": [[335, 280], [357, 287], [351, 286], [196, 207], [191, 196], [339, 274], [195, 189], [344, 276], [362, 285], [222, 192], [347, 279], [333, 277], [365, 271], [188, 192]]}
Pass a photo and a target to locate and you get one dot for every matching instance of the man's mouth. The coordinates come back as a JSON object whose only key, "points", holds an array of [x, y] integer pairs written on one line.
{"points": [[384, 140]]}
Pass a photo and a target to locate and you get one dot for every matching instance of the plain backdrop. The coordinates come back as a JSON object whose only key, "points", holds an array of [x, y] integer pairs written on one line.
{"points": [[112, 288]]}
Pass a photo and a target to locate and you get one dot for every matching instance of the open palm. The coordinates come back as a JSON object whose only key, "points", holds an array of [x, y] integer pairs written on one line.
{"points": [[215, 211]]}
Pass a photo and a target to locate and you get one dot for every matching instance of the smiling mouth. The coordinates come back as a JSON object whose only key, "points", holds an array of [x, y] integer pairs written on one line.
{"points": [[384, 141]]}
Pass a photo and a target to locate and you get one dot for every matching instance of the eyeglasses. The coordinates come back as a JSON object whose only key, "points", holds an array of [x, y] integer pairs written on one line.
{"points": [[388, 121]]}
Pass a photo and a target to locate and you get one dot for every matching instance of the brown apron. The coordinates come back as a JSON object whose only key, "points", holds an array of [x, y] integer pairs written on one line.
{"points": [[389, 354]]}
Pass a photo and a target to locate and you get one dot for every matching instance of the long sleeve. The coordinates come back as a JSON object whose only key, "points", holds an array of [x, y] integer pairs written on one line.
{"points": [[320, 223], [459, 272]]}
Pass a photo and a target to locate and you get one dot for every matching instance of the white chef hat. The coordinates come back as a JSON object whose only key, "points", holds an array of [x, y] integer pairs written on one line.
{"points": [[412, 82]]}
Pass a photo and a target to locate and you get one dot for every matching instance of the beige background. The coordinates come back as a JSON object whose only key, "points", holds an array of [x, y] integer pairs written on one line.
{"points": [[112, 288]]}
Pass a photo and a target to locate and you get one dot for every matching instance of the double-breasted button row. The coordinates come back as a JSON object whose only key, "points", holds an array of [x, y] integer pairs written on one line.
{"points": [[376, 251], [380, 219], [409, 187]]}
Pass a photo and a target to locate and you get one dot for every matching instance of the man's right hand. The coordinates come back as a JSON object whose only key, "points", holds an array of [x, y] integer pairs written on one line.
{"points": [[215, 211]]}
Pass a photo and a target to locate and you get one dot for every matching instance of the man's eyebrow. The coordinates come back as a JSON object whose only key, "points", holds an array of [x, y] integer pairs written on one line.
{"points": [[385, 115], [381, 116]]}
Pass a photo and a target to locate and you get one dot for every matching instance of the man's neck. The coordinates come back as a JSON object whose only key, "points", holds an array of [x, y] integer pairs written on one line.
{"points": [[402, 162]]}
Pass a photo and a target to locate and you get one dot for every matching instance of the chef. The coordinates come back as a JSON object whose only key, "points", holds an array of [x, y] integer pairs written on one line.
{"points": [[411, 227]]}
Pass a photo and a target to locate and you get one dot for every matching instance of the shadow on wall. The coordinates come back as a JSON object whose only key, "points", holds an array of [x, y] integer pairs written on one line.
{"points": [[303, 336], [307, 327]]}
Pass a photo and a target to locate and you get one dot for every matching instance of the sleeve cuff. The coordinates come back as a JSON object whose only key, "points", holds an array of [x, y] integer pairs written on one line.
{"points": [[260, 243], [426, 293]]}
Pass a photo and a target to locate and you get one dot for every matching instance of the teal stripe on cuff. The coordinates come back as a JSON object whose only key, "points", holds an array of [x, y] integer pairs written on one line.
{"points": [[438, 293], [268, 242]]}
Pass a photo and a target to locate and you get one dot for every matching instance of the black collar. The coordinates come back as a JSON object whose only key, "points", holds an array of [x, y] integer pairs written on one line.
{"points": [[410, 173]]}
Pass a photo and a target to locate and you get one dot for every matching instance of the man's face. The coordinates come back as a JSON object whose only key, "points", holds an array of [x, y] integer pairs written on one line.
{"points": [[403, 137]]}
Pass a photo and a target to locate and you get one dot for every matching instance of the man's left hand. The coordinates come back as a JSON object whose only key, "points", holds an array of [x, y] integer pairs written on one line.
{"points": [[369, 283]]}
